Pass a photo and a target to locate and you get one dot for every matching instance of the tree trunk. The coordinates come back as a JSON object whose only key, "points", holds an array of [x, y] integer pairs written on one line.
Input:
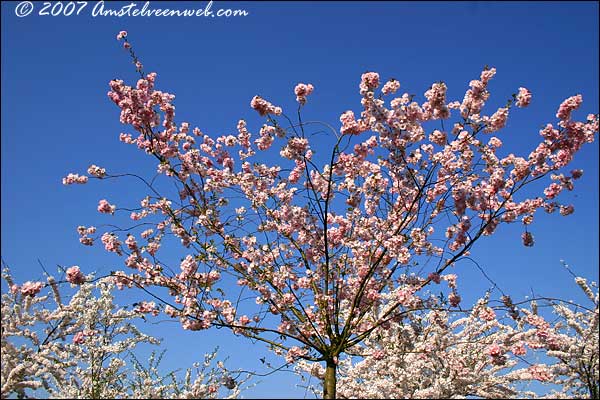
{"points": [[329, 382]]}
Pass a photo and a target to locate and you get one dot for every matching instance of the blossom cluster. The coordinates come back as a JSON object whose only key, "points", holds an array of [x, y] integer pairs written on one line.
{"points": [[80, 348], [438, 353]]}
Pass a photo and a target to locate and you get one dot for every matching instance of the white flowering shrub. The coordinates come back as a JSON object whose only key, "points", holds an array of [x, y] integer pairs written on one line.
{"points": [[81, 348], [442, 353]]}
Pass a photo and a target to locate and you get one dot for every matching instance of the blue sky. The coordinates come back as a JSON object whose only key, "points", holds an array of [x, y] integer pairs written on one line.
{"points": [[56, 117]]}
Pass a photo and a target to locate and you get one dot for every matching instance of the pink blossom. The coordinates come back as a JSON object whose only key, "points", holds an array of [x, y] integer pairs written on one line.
{"points": [[378, 354], [153, 247], [390, 87], [567, 210], [31, 288], [295, 149], [498, 120], [79, 338], [527, 238], [96, 171], [82, 230], [86, 241], [121, 280], [568, 106], [487, 314], [146, 307], [147, 233], [75, 276], [74, 178], [121, 35], [294, 353], [369, 81], [487, 74], [264, 107], [519, 349], [131, 242], [302, 90], [111, 243], [553, 190], [451, 279], [523, 97], [494, 350], [188, 267], [576, 173], [540, 373], [495, 142], [435, 107], [105, 207], [350, 125], [454, 299], [435, 277], [438, 137]]}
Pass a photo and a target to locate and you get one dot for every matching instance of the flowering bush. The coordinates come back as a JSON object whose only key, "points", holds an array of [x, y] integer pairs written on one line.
{"points": [[324, 238], [79, 348], [440, 353]]}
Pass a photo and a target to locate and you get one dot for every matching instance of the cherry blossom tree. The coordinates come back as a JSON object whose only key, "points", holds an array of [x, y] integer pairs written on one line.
{"points": [[79, 349], [489, 351], [342, 233]]}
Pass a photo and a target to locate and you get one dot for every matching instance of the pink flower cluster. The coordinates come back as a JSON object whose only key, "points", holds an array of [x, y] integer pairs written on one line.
{"points": [[523, 97], [263, 107], [296, 149], [454, 299], [438, 137], [368, 82], [540, 373], [435, 277], [84, 232], [436, 107], [79, 337], [527, 238], [390, 87], [74, 178], [75, 276], [294, 353], [487, 314], [111, 243], [147, 307], [138, 108], [188, 268], [350, 126], [122, 35], [302, 90], [105, 207], [31, 288], [519, 349], [476, 97], [96, 171], [568, 106], [497, 121], [494, 350]]}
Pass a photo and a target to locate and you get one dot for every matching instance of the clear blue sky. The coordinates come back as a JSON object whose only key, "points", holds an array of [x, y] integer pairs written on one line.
{"points": [[56, 117]]}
